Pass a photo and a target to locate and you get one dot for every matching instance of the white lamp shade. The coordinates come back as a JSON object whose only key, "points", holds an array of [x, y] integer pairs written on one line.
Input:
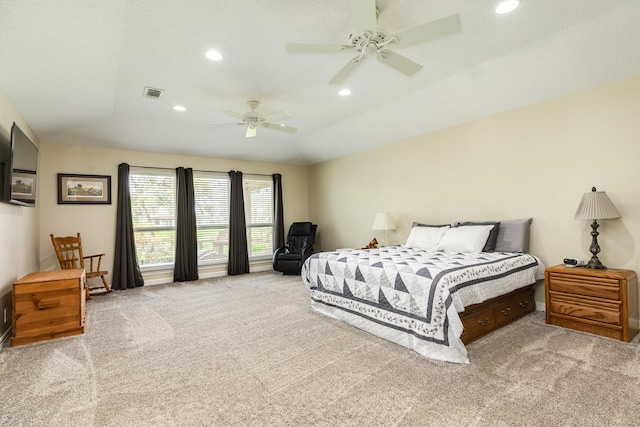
{"points": [[383, 221], [596, 205]]}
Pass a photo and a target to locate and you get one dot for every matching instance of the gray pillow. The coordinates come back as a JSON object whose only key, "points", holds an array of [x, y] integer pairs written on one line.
{"points": [[490, 245], [419, 224], [513, 235]]}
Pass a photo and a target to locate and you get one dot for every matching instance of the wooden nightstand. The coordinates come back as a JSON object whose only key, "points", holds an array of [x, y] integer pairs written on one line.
{"points": [[603, 302]]}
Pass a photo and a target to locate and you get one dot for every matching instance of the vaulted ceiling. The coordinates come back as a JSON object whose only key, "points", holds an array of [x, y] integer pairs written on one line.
{"points": [[76, 70]]}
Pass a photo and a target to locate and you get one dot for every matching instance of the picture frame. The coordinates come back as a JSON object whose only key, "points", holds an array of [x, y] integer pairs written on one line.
{"points": [[23, 185], [84, 189]]}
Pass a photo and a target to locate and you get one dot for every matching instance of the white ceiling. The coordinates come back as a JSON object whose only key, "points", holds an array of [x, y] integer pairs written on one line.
{"points": [[76, 70]]}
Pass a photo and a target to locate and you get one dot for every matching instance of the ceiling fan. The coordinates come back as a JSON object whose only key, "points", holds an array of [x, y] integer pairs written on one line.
{"points": [[252, 119], [369, 39]]}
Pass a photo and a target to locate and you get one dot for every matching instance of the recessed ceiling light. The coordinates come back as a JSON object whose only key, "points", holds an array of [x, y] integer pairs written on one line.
{"points": [[179, 108], [344, 92], [213, 55], [507, 6]]}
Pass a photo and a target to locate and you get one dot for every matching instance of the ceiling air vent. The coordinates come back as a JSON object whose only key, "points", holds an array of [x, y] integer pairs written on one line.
{"points": [[151, 92]]}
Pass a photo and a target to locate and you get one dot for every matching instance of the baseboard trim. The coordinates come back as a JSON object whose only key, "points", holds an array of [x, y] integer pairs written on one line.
{"points": [[206, 273]]}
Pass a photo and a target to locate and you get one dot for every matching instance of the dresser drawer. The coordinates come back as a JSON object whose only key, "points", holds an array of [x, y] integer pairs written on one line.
{"points": [[586, 286], [583, 308], [478, 324], [44, 302], [45, 312], [56, 323], [505, 313]]}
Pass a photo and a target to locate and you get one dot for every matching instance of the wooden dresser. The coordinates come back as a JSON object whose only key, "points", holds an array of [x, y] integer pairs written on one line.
{"points": [[603, 302], [48, 304]]}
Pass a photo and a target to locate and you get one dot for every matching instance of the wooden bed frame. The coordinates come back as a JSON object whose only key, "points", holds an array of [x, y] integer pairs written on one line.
{"points": [[486, 317]]}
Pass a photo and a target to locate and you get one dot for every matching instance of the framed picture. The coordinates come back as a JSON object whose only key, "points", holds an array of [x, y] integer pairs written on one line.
{"points": [[84, 189], [23, 185]]}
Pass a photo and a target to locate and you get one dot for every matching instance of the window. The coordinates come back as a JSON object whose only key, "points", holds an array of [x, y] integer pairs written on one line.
{"points": [[211, 191], [153, 207], [258, 207]]}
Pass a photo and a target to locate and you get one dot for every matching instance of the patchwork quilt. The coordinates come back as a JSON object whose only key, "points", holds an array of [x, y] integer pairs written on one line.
{"points": [[410, 296]]}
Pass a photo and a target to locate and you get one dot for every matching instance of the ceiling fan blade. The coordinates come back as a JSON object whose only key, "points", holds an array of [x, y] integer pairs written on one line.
{"points": [[223, 125], [277, 126], [364, 15], [276, 115], [251, 132], [306, 47], [346, 70], [399, 62], [233, 114], [429, 31]]}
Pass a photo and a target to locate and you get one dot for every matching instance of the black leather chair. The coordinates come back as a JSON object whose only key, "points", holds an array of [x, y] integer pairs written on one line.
{"points": [[289, 259]]}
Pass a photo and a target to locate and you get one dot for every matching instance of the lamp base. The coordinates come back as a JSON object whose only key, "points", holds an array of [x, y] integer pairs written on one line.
{"points": [[595, 263]]}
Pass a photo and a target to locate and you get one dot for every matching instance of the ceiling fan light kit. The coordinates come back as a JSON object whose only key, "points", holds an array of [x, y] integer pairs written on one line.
{"points": [[369, 39]]}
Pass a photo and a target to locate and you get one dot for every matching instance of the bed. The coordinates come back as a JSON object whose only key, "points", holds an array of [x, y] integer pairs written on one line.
{"points": [[446, 287]]}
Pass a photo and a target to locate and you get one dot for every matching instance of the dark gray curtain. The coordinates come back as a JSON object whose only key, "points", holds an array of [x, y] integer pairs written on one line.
{"points": [[238, 254], [186, 259], [126, 271], [278, 216]]}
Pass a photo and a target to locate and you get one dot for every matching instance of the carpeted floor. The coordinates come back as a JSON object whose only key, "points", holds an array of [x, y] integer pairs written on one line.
{"points": [[247, 350]]}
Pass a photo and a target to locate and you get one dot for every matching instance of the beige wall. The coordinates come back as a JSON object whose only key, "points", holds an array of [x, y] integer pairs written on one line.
{"points": [[19, 227], [531, 162], [96, 223]]}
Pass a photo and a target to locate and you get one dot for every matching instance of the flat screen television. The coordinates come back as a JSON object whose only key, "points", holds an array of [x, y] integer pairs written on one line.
{"points": [[18, 168]]}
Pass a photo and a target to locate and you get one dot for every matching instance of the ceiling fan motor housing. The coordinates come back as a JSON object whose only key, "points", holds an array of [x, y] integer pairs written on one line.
{"points": [[369, 42], [252, 118]]}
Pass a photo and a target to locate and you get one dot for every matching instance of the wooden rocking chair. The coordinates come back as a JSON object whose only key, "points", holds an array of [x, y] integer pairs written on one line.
{"points": [[69, 252]]}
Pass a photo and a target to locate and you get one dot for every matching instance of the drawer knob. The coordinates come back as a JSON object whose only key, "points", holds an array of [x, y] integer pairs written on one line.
{"points": [[506, 311], [484, 322], [524, 303]]}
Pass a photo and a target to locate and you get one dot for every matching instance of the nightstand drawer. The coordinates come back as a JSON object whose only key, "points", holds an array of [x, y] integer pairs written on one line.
{"points": [[583, 308], [586, 286]]}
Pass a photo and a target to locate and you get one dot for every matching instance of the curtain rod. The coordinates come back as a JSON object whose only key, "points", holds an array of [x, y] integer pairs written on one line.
{"points": [[195, 170]]}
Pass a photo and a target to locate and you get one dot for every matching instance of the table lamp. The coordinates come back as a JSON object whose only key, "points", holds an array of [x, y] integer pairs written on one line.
{"points": [[595, 205], [383, 222]]}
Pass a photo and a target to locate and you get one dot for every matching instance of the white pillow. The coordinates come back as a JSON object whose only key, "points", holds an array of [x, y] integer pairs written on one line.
{"points": [[426, 238], [470, 238]]}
